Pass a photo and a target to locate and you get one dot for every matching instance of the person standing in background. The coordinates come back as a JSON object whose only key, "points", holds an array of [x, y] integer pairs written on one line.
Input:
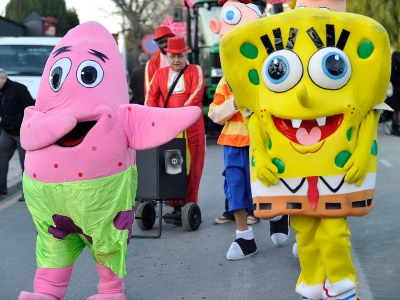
{"points": [[235, 139], [394, 100], [136, 82], [187, 84], [14, 98], [160, 60]]}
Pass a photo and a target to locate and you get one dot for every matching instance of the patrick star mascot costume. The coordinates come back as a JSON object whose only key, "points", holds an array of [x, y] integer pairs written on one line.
{"points": [[80, 174]]}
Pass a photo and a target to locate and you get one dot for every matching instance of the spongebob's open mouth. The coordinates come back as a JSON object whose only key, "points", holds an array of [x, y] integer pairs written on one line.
{"points": [[308, 132], [76, 135]]}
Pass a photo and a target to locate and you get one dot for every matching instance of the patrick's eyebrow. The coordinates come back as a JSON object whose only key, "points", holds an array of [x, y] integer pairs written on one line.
{"points": [[98, 54], [61, 50]]}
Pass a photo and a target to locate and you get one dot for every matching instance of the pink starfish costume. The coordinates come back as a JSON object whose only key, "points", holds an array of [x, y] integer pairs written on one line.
{"points": [[80, 176]]}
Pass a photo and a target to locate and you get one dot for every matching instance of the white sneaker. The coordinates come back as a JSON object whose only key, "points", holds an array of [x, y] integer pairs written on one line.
{"points": [[295, 250], [279, 239], [243, 247]]}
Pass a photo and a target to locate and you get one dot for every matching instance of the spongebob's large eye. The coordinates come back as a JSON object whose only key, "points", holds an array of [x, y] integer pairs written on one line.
{"points": [[59, 72], [330, 68], [282, 70], [255, 8], [231, 15], [89, 73]]}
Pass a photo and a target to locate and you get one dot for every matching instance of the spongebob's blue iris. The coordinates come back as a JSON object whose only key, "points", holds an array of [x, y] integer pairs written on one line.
{"points": [[278, 69], [334, 65]]}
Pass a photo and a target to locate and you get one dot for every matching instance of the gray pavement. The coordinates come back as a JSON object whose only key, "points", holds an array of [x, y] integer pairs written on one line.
{"points": [[192, 265]]}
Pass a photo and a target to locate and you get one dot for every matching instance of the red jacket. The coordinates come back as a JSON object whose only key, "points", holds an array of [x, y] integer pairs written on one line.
{"points": [[189, 90], [155, 63]]}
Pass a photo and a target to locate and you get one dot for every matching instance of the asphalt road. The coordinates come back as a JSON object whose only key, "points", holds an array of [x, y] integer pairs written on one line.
{"points": [[192, 265]]}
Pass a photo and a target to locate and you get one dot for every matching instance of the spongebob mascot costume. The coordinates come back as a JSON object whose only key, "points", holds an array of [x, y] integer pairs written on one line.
{"points": [[311, 83]]}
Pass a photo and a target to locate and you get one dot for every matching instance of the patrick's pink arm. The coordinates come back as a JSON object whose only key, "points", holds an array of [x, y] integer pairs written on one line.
{"points": [[40, 130], [149, 127]]}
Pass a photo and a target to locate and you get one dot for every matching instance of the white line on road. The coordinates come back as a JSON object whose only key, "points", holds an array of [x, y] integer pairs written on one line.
{"points": [[386, 163], [363, 291], [10, 202]]}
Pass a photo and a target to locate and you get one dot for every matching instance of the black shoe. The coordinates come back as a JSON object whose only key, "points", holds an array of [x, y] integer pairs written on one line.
{"points": [[395, 133], [281, 226], [173, 218], [279, 230]]}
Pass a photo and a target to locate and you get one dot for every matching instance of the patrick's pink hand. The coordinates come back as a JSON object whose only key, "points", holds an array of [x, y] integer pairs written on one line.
{"points": [[149, 127], [40, 130]]}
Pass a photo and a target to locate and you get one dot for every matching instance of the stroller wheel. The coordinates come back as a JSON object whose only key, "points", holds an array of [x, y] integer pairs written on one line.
{"points": [[145, 215], [191, 216]]}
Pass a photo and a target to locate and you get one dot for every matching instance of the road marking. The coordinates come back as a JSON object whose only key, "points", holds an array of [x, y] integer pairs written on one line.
{"points": [[363, 291], [386, 163], [10, 202]]}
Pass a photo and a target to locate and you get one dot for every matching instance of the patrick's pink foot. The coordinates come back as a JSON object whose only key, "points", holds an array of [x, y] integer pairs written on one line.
{"points": [[110, 287], [35, 296], [118, 296]]}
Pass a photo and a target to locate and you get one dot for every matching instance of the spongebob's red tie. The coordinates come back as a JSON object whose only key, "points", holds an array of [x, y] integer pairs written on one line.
{"points": [[312, 192]]}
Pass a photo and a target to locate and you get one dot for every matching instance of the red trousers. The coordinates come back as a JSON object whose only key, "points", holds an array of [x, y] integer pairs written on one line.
{"points": [[197, 146]]}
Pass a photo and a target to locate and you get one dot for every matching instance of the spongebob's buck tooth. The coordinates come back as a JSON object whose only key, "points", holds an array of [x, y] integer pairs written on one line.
{"points": [[321, 121], [296, 123]]}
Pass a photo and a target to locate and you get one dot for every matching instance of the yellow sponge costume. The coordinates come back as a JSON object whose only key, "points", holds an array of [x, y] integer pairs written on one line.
{"points": [[310, 83]]}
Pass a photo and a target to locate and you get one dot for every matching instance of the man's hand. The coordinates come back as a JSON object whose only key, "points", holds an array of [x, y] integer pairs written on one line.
{"points": [[235, 105]]}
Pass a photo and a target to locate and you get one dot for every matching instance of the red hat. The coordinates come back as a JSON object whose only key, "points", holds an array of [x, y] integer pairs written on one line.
{"points": [[162, 32], [176, 45]]}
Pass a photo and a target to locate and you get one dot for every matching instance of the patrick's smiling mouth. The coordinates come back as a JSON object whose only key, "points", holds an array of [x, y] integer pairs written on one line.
{"points": [[308, 132], [76, 135]]}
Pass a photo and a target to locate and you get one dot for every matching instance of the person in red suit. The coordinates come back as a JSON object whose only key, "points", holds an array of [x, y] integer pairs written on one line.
{"points": [[188, 91], [160, 60]]}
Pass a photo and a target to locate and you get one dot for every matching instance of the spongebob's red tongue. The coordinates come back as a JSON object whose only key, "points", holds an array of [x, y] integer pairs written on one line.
{"points": [[308, 138]]}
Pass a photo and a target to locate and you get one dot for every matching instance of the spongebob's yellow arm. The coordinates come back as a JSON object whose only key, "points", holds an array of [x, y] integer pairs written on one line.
{"points": [[266, 170], [357, 165]]}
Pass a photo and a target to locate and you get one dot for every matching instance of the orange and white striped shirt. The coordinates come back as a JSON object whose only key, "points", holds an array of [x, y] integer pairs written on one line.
{"points": [[222, 111]]}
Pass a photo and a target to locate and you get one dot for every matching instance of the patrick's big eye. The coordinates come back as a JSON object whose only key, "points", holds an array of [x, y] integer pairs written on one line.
{"points": [[231, 15], [330, 68], [59, 72], [89, 73], [282, 70]]}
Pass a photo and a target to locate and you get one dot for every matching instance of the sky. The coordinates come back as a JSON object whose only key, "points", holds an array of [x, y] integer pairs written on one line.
{"points": [[89, 10]]}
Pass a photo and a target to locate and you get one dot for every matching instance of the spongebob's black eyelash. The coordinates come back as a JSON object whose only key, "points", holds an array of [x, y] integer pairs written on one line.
{"points": [[330, 35], [278, 39], [344, 35], [267, 44], [312, 33]]}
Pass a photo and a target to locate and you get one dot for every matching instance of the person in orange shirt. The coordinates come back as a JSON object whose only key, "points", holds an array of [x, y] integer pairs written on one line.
{"points": [[188, 91], [160, 60], [235, 139]]}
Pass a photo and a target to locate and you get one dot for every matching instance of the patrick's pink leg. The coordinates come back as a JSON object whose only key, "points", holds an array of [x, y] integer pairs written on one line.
{"points": [[110, 287], [49, 284]]}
